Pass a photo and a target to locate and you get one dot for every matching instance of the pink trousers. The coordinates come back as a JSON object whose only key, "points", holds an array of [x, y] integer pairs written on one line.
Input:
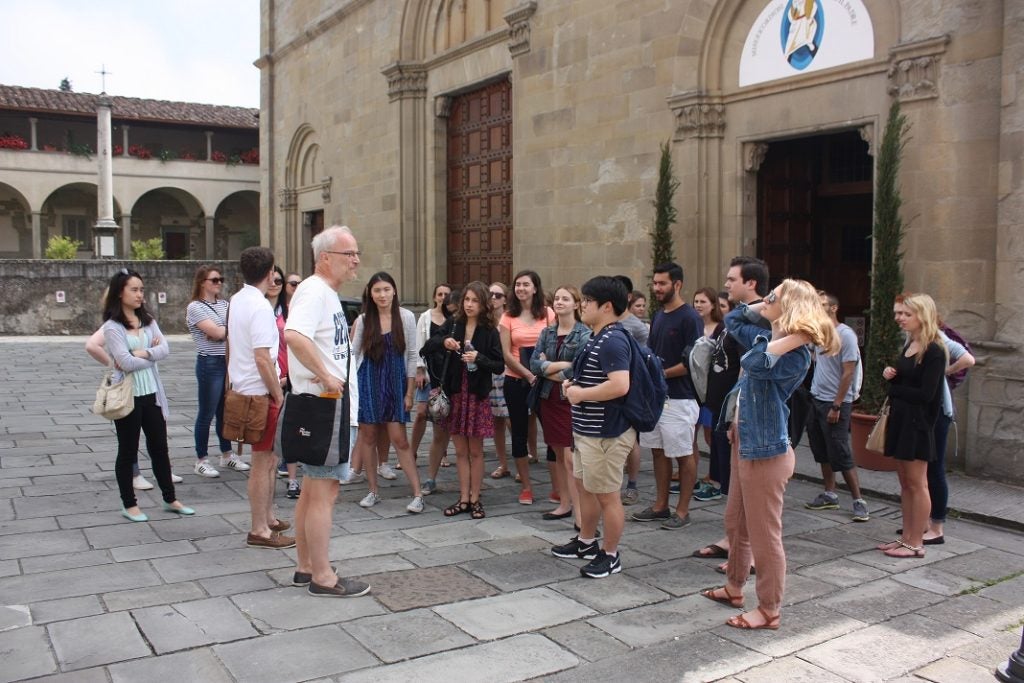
{"points": [[753, 522]]}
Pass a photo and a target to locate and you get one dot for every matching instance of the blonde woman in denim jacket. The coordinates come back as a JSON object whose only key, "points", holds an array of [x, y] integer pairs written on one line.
{"points": [[762, 458], [552, 359]]}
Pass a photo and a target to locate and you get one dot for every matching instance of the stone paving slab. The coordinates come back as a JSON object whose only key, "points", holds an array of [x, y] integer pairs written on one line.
{"points": [[276, 610], [164, 594], [405, 590], [49, 563], [512, 613], [41, 543], [452, 554], [935, 580], [512, 659], [586, 641], [192, 624], [26, 654], [976, 614], [984, 565], [194, 665], [395, 637], [69, 583], [68, 608], [218, 563], [651, 624], [523, 570], [790, 669], [806, 625], [94, 641], [294, 656], [617, 593], [880, 600]]}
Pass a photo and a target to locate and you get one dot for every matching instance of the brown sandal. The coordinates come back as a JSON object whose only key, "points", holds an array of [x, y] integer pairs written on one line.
{"points": [[770, 623], [476, 510], [728, 599], [500, 473], [456, 509]]}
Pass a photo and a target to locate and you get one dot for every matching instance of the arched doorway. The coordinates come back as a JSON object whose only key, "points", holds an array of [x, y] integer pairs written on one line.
{"points": [[15, 224], [236, 224], [174, 216], [71, 211]]}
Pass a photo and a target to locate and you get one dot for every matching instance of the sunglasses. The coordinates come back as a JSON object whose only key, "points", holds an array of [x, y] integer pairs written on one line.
{"points": [[293, 283], [278, 281], [215, 280], [771, 298], [497, 295]]}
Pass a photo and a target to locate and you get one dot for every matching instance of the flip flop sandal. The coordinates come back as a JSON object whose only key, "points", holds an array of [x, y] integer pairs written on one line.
{"points": [[717, 552], [445, 463], [727, 599], [916, 551], [770, 623]]}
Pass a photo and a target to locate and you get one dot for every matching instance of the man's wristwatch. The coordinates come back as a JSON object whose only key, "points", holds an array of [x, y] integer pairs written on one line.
{"points": [[837, 408]]}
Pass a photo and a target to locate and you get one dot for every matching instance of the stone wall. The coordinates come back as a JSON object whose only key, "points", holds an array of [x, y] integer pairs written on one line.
{"points": [[28, 293]]}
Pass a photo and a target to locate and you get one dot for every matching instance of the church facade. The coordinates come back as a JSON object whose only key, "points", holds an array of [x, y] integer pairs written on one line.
{"points": [[468, 139]]}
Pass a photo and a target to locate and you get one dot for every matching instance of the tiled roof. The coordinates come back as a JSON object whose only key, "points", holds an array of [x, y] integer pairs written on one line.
{"points": [[40, 100]]}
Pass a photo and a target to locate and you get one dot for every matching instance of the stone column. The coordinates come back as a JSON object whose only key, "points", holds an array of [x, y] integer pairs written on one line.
{"points": [[209, 145], [37, 234], [105, 227], [32, 121], [209, 236], [126, 236], [124, 140]]}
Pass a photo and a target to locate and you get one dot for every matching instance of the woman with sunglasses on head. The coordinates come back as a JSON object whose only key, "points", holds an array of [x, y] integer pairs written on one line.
{"points": [[384, 341], [553, 356], [915, 403], [705, 302], [475, 354], [520, 327], [762, 458], [133, 340], [428, 376], [206, 317], [499, 410], [278, 297]]}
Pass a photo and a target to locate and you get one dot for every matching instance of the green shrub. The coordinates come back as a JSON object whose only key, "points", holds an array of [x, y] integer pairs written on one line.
{"points": [[62, 248], [148, 250]]}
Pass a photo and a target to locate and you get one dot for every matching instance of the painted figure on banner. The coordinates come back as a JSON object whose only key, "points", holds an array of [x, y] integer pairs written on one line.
{"points": [[802, 29]]}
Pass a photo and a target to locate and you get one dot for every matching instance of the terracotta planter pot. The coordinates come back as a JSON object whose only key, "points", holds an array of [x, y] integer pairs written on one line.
{"points": [[860, 427]]}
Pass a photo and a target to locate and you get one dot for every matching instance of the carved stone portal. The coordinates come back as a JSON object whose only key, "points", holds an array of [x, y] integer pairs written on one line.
{"points": [[518, 20], [914, 69], [753, 155], [405, 81], [697, 116]]}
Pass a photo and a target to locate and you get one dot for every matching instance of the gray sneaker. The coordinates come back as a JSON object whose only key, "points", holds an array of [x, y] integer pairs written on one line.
{"points": [[676, 522], [649, 515], [345, 588], [630, 497], [824, 501], [429, 487], [860, 511]]}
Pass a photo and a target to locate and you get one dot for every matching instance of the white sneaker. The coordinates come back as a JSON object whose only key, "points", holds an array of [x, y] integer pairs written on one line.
{"points": [[140, 483], [175, 479], [205, 469], [353, 477], [370, 500], [386, 472], [234, 463], [416, 506]]}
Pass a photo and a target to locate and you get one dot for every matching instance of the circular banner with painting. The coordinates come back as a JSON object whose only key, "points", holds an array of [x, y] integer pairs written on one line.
{"points": [[793, 37]]}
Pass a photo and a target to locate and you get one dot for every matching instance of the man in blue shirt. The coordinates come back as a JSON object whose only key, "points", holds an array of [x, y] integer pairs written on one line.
{"points": [[602, 435], [674, 330]]}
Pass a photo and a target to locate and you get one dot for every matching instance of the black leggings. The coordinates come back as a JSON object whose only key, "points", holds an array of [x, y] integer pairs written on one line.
{"points": [[149, 418], [516, 392]]}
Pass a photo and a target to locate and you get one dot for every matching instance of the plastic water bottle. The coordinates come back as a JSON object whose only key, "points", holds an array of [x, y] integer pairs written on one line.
{"points": [[466, 348]]}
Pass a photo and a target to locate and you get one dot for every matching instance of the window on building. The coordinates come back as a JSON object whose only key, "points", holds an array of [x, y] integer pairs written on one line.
{"points": [[78, 228]]}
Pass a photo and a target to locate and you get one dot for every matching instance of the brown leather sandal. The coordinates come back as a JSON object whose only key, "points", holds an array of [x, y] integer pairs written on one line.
{"points": [[770, 623], [456, 509], [476, 510], [727, 599]]}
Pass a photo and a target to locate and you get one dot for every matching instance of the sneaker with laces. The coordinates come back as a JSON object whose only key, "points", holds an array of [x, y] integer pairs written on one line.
{"points": [[824, 501], [601, 566], [370, 500], [708, 492], [676, 522], [345, 588], [576, 550], [416, 506], [353, 477], [175, 479], [630, 497], [429, 487], [674, 487], [293, 489], [649, 515], [233, 462], [140, 483], [860, 511], [282, 470], [385, 472], [205, 469]]}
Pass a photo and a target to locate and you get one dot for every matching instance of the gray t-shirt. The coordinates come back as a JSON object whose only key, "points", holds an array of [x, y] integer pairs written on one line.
{"points": [[636, 327], [828, 370]]}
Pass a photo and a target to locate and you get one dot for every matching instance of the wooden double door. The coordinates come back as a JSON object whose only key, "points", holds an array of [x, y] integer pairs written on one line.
{"points": [[815, 213], [479, 192]]}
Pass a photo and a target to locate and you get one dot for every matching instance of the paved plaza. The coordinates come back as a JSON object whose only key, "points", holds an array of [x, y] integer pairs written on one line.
{"points": [[87, 596]]}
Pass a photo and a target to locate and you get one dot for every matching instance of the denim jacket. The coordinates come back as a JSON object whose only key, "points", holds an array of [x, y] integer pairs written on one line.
{"points": [[547, 342], [766, 382]]}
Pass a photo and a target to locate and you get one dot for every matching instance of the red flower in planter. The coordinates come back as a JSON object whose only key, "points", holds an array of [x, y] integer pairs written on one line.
{"points": [[118, 150], [12, 142], [251, 157], [218, 155], [140, 152], [187, 154]]}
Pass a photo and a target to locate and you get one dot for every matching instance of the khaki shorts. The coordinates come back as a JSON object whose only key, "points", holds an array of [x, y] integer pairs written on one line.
{"points": [[599, 461]]}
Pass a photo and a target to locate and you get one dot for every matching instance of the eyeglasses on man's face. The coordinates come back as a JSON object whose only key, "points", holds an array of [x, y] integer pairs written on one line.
{"points": [[350, 253]]}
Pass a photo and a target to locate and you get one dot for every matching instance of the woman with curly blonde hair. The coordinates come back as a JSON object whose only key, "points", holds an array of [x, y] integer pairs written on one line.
{"points": [[762, 458], [915, 402]]}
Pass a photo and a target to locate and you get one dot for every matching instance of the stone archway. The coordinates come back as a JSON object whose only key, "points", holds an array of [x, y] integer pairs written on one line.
{"points": [[175, 217], [70, 210], [236, 224], [16, 229]]}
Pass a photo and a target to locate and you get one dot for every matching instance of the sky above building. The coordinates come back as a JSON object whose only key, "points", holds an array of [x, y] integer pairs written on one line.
{"points": [[185, 50]]}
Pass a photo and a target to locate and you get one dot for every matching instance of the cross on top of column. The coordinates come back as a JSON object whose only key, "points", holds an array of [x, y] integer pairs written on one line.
{"points": [[103, 75]]}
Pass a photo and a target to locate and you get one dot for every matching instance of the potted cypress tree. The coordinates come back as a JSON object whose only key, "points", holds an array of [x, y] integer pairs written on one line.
{"points": [[884, 336]]}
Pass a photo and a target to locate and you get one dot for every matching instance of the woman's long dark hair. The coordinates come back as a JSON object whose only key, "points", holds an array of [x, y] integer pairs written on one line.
{"points": [[373, 340], [537, 309], [112, 309], [483, 293], [444, 308], [282, 300]]}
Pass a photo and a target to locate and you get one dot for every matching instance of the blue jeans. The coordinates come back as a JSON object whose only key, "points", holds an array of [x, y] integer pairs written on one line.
{"points": [[210, 374], [938, 490]]}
